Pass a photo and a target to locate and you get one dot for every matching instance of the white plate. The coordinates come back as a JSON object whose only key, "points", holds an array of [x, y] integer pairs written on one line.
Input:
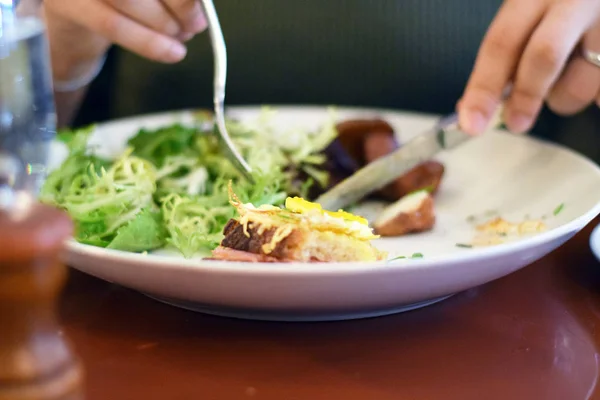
{"points": [[517, 176], [595, 241]]}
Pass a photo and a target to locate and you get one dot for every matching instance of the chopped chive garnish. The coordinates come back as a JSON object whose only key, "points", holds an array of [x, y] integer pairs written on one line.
{"points": [[415, 255], [558, 209], [471, 218], [464, 245]]}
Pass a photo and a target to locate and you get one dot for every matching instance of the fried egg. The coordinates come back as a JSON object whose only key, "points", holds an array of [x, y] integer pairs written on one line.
{"points": [[338, 221]]}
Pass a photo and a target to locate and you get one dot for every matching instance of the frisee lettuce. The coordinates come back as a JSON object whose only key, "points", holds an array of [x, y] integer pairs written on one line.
{"points": [[169, 187], [145, 232]]}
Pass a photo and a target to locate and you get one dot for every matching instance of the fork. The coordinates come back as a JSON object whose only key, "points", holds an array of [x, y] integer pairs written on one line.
{"points": [[220, 79]]}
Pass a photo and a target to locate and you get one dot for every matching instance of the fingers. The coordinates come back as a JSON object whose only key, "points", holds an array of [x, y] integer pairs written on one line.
{"points": [[580, 82], [155, 15], [189, 15], [498, 57], [73, 48], [121, 30], [544, 58]]}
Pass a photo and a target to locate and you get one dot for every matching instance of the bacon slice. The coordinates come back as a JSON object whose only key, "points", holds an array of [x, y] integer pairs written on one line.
{"points": [[228, 254]]}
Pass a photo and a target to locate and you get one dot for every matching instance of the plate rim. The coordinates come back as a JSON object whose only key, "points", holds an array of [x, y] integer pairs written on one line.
{"points": [[595, 241], [341, 268]]}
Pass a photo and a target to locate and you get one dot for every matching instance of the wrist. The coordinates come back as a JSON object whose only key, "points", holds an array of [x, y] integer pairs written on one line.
{"points": [[76, 75], [77, 54]]}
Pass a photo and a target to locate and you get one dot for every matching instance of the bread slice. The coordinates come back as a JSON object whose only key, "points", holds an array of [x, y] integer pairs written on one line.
{"points": [[299, 243], [285, 235]]}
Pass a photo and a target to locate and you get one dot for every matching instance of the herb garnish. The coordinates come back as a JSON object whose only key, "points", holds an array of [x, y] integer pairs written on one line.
{"points": [[415, 255], [397, 258], [464, 245], [558, 209]]}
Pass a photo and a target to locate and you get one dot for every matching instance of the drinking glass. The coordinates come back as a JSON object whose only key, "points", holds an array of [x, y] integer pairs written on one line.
{"points": [[27, 112]]}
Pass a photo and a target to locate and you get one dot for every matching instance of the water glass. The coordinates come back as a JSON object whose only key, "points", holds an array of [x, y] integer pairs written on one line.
{"points": [[27, 112]]}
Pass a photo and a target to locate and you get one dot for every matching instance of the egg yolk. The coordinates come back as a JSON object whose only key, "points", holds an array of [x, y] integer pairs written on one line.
{"points": [[299, 205], [347, 216]]}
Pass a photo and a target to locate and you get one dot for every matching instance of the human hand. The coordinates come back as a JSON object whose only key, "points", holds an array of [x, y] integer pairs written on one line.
{"points": [[80, 31], [535, 45]]}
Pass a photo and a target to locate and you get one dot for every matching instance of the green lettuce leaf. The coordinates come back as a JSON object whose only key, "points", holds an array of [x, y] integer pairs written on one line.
{"points": [[195, 224], [144, 233], [156, 145], [78, 163]]}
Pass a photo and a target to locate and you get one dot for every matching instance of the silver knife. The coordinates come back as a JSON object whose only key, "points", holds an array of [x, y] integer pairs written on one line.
{"points": [[444, 135]]}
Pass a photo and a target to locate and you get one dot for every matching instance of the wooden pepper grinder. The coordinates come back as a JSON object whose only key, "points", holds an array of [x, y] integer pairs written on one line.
{"points": [[36, 360]]}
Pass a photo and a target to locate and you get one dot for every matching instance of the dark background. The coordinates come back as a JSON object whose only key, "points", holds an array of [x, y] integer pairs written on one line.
{"points": [[404, 54]]}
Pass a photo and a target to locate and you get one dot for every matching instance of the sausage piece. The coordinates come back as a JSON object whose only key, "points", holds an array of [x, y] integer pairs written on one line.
{"points": [[411, 214], [425, 176], [352, 135], [346, 153], [361, 141]]}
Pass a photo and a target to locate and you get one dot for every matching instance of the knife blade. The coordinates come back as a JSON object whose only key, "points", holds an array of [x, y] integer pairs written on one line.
{"points": [[445, 135]]}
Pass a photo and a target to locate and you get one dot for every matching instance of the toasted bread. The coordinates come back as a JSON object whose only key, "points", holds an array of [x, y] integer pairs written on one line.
{"points": [[304, 233]]}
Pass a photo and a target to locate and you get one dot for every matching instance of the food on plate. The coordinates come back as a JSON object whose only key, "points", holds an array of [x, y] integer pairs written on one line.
{"points": [[425, 176], [300, 231], [363, 141], [346, 153], [360, 142], [378, 144], [498, 230], [168, 188], [353, 133], [412, 213], [500, 226]]}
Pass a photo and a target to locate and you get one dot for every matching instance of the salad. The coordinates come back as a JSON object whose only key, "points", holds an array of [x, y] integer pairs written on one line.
{"points": [[168, 188]]}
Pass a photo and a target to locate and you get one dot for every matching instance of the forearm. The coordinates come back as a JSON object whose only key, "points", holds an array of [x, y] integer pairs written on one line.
{"points": [[77, 56], [71, 82]]}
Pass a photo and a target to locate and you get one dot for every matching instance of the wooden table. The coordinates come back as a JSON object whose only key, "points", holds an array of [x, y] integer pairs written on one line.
{"points": [[531, 335]]}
